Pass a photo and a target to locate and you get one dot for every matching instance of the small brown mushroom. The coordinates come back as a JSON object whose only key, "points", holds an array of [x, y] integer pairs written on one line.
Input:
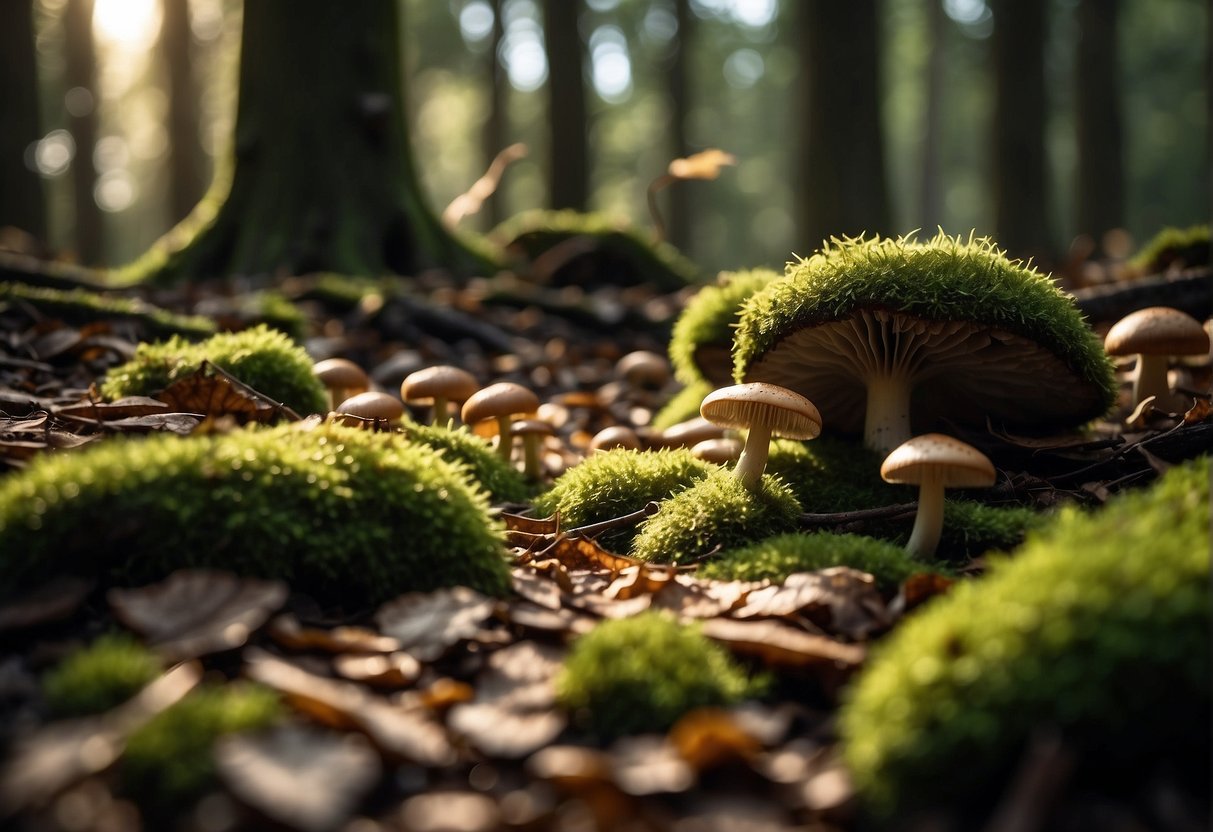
{"points": [[615, 436], [438, 386], [371, 409], [496, 405], [342, 379], [1153, 335], [765, 410], [723, 450], [644, 369], [934, 462], [689, 433]]}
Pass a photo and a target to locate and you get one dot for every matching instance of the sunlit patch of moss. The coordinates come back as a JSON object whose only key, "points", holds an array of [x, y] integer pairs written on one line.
{"points": [[275, 310], [775, 558], [1181, 247], [262, 358], [81, 306], [703, 334], [640, 674], [170, 759], [503, 482], [832, 474], [719, 511], [100, 676], [1098, 627], [348, 516], [616, 482], [683, 405]]}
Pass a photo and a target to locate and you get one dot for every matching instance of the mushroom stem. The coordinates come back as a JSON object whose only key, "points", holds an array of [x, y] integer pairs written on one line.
{"points": [[505, 437], [753, 459], [928, 522], [1150, 379], [440, 416], [532, 464], [887, 418]]}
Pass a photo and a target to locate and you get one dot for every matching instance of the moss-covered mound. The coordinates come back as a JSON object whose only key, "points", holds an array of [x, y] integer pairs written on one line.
{"points": [[702, 340], [1098, 627], [775, 558], [81, 306], [100, 676], [641, 674], [683, 405], [719, 511], [262, 358], [503, 482], [886, 335], [971, 529], [617, 482], [1173, 247], [343, 514], [609, 251]]}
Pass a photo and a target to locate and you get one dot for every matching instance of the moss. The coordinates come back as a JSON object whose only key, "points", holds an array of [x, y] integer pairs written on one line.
{"points": [[716, 512], [100, 676], [971, 529], [702, 339], [617, 482], [683, 405], [170, 760], [275, 310], [775, 558], [503, 482], [346, 515], [831, 474], [1098, 627], [621, 256], [641, 674], [81, 306], [943, 279], [262, 358], [1182, 247]]}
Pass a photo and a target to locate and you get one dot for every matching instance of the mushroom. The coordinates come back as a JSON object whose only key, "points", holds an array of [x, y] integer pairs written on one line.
{"points": [[496, 405], [895, 336], [689, 433], [934, 462], [532, 432], [437, 386], [1153, 334], [615, 436], [342, 378], [644, 370], [766, 410], [721, 451], [370, 409]]}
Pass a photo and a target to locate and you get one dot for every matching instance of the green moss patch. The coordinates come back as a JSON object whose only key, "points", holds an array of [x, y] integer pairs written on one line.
{"points": [[1181, 247], [831, 474], [81, 306], [683, 405], [100, 676], [702, 339], [503, 482]]}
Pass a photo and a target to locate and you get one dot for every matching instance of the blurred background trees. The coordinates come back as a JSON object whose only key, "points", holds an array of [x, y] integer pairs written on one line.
{"points": [[1033, 120]]}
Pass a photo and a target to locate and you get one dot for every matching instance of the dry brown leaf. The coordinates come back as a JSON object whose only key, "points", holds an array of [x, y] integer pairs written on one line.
{"points": [[703, 165], [394, 670], [195, 612], [538, 526], [781, 646], [692, 597], [289, 632], [638, 579], [213, 395], [838, 599], [539, 586], [919, 588], [573, 769], [585, 553], [427, 624], [533, 617], [124, 408], [450, 811], [1200, 411], [303, 778], [649, 764], [711, 737]]}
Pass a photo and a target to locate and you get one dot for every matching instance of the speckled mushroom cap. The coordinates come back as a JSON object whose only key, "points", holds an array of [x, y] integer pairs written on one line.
{"points": [[788, 414], [976, 335], [442, 381], [942, 458], [1157, 330]]}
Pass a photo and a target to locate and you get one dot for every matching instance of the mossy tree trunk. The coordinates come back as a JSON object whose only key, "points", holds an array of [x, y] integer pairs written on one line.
{"points": [[22, 204], [1101, 199], [187, 180], [568, 138], [496, 123], [321, 176], [82, 75]]}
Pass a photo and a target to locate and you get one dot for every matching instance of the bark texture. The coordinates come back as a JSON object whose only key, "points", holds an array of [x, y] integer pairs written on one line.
{"points": [[1101, 198], [568, 139], [82, 73], [22, 204], [187, 180]]}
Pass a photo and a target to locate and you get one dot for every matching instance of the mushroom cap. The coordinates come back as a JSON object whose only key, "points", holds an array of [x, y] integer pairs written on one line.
{"points": [[341, 374], [1157, 330], [643, 368], [788, 414], [721, 450], [977, 335], [690, 432], [957, 463], [702, 338], [372, 405], [442, 380], [615, 436], [533, 427], [505, 398]]}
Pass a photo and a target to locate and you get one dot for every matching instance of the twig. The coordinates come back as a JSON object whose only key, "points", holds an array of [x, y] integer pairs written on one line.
{"points": [[841, 518], [631, 519]]}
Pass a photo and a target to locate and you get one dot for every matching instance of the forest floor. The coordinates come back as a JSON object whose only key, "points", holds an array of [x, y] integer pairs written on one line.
{"points": [[449, 696]]}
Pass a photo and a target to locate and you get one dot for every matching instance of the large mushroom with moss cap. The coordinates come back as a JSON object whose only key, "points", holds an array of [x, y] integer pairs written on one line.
{"points": [[892, 336], [764, 410], [495, 407], [935, 462], [1154, 335], [702, 338]]}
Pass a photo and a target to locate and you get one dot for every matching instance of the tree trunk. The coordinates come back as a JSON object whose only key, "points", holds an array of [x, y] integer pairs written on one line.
{"points": [[82, 74], [568, 137], [22, 204], [842, 183], [321, 176], [1100, 138], [678, 220], [187, 182], [930, 194], [1021, 197], [495, 124]]}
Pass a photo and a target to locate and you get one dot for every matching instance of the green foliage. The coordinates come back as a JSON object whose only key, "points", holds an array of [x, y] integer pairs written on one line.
{"points": [[682, 405], [262, 358], [832, 474], [617, 482], [1183, 246], [80, 306], [718, 511], [100, 676], [337, 512], [775, 558], [640, 674], [1098, 626], [943, 279], [971, 529], [276, 311], [169, 760], [503, 482], [706, 325]]}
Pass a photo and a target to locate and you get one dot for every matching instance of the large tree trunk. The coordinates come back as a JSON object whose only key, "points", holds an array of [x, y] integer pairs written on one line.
{"points": [[187, 182], [842, 183], [22, 204], [1021, 198], [930, 193], [321, 175], [568, 141], [496, 121], [82, 73], [678, 223], [1101, 199]]}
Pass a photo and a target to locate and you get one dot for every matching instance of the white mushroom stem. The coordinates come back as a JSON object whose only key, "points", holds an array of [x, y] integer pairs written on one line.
{"points": [[1150, 379], [505, 437], [753, 459], [928, 523], [887, 417], [440, 416], [532, 465]]}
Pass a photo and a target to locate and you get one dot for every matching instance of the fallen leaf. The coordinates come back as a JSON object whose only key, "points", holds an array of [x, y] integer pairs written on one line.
{"points": [[692, 597], [289, 632], [538, 526], [918, 589], [1200, 410], [394, 670], [648, 765], [585, 553], [125, 408], [540, 590], [705, 164], [710, 737], [427, 624], [782, 646], [213, 395], [52, 601], [838, 599], [195, 612], [450, 811], [638, 579], [539, 619]]}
